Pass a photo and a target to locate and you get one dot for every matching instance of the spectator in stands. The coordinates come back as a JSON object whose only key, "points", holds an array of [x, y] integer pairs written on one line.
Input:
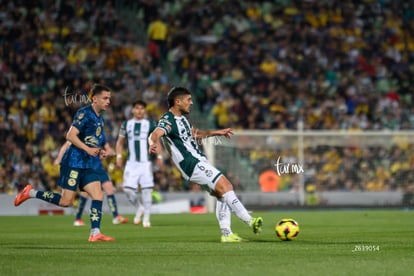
{"points": [[158, 34]]}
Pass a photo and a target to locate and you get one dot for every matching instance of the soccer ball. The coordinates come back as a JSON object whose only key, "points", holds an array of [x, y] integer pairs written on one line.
{"points": [[287, 229]]}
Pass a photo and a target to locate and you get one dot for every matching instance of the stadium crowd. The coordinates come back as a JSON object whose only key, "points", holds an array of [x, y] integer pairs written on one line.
{"points": [[334, 65], [331, 64], [51, 54]]}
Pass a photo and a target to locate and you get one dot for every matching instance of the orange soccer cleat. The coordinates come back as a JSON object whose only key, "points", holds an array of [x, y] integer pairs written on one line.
{"points": [[100, 237], [23, 195]]}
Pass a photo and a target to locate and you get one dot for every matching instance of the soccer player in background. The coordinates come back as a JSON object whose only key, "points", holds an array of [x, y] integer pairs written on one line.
{"points": [[181, 139], [78, 164], [138, 166], [106, 183]]}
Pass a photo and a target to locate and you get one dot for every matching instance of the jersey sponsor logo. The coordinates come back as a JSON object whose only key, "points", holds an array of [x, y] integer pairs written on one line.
{"points": [[91, 141], [164, 121], [73, 174], [165, 125], [184, 135]]}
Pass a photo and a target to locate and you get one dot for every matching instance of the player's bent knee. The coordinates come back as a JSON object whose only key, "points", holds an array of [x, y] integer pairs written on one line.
{"points": [[65, 202], [222, 186], [221, 189]]}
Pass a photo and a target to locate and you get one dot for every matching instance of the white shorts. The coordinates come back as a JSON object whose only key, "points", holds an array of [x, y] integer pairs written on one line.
{"points": [[206, 175], [138, 173]]}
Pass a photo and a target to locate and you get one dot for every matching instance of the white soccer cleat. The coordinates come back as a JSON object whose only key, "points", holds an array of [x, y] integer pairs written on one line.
{"points": [[78, 222], [137, 220], [146, 224], [119, 220], [138, 216]]}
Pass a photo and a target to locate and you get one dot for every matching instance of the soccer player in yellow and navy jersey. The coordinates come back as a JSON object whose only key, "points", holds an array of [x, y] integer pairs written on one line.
{"points": [[77, 170]]}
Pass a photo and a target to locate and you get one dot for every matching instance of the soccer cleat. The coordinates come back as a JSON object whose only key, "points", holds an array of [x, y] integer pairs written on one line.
{"points": [[137, 220], [100, 237], [119, 220], [146, 224], [256, 225], [138, 215], [78, 222], [23, 195], [232, 238]]}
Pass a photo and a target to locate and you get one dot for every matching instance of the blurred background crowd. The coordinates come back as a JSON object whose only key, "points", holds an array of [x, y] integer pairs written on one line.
{"points": [[333, 65]]}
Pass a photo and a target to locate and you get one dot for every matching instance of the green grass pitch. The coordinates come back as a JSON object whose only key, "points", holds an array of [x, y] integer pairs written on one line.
{"points": [[351, 242]]}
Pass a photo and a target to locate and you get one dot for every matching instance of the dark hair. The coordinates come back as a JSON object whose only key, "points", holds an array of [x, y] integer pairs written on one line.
{"points": [[176, 92], [98, 89], [139, 102]]}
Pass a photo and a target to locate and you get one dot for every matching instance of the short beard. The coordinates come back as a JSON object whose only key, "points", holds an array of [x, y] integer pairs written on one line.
{"points": [[184, 112]]}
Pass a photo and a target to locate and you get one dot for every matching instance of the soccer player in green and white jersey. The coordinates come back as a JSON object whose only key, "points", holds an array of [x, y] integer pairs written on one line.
{"points": [[194, 166], [138, 167]]}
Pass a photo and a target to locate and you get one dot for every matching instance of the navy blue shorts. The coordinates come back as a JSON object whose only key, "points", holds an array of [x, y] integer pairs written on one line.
{"points": [[74, 178], [103, 176]]}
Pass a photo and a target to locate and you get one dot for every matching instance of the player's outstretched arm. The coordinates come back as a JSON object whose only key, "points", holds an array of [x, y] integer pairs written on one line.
{"points": [[154, 141], [199, 133]]}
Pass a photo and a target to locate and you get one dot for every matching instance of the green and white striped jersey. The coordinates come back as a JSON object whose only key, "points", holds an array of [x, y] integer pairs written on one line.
{"points": [[136, 132], [180, 143]]}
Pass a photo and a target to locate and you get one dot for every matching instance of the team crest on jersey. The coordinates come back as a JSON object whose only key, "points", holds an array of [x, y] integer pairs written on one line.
{"points": [[209, 173], [98, 131], [80, 117], [71, 182]]}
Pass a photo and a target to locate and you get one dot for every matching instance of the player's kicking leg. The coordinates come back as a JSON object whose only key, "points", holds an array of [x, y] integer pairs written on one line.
{"points": [[224, 187]]}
